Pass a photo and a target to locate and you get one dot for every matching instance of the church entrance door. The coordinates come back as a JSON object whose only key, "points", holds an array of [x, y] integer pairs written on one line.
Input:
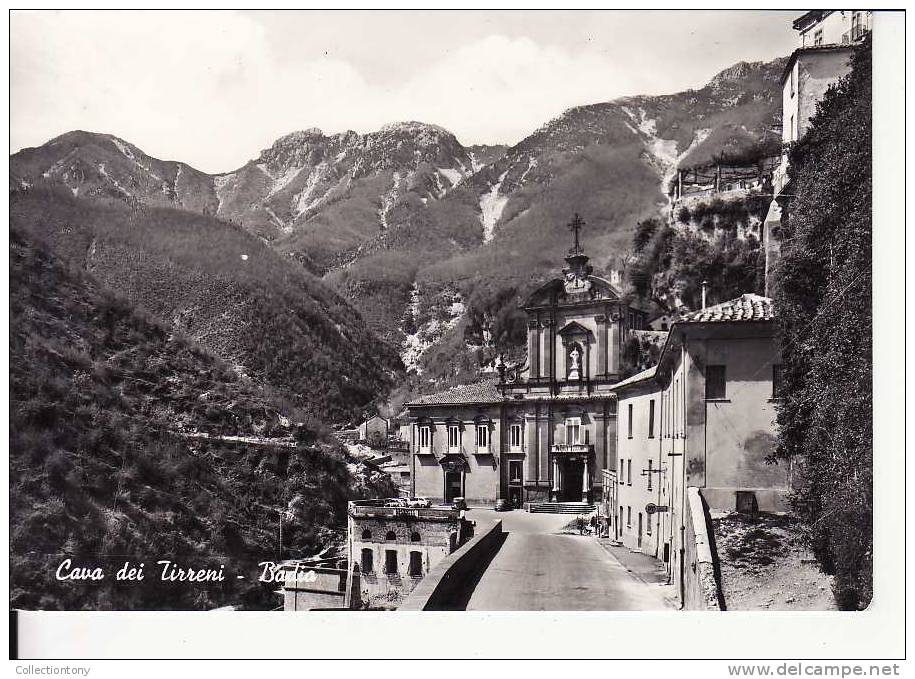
{"points": [[452, 486], [570, 480]]}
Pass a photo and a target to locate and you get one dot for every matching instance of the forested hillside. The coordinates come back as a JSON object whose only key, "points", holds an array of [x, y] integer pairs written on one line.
{"points": [[105, 468], [224, 288]]}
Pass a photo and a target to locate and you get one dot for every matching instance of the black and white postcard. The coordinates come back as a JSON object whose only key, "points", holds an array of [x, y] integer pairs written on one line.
{"points": [[343, 315]]}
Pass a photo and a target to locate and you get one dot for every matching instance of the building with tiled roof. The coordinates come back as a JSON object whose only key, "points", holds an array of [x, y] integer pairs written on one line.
{"points": [[748, 307], [544, 431], [703, 417], [484, 392]]}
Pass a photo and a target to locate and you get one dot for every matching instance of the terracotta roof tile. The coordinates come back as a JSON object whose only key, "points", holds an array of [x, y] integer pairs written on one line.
{"points": [[748, 307], [638, 377], [479, 392]]}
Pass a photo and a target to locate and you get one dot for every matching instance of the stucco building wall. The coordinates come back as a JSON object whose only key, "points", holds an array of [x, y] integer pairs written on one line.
{"points": [[486, 475], [637, 486], [718, 444], [436, 540]]}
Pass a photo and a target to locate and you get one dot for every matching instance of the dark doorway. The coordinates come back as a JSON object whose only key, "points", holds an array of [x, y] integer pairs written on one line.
{"points": [[390, 561], [514, 496], [453, 486], [416, 564], [515, 483], [570, 480]]}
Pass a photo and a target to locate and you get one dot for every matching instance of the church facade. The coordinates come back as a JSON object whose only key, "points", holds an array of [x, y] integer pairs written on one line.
{"points": [[542, 431]]}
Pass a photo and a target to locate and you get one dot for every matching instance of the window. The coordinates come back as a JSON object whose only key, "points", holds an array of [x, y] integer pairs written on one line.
{"points": [[621, 473], [715, 379], [483, 437], [629, 426], [454, 438], [416, 564], [390, 561], [629, 472], [818, 37], [514, 471], [650, 472], [367, 566], [792, 130], [629, 517], [514, 437], [414, 537], [778, 381], [366, 535], [651, 419], [425, 438], [390, 535], [573, 430], [675, 423], [648, 523], [791, 78]]}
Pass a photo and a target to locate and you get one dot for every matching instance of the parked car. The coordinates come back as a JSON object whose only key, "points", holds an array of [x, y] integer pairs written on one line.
{"points": [[503, 505], [420, 502], [458, 503], [396, 502]]}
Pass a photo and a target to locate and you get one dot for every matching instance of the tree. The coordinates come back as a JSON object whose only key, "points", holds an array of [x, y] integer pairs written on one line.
{"points": [[823, 299]]}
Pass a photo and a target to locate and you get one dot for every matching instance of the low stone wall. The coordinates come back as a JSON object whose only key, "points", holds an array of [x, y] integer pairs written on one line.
{"points": [[725, 499], [317, 588], [701, 587], [448, 586]]}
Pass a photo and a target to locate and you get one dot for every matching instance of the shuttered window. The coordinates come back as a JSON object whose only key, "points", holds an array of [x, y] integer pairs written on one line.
{"points": [[715, 382]]}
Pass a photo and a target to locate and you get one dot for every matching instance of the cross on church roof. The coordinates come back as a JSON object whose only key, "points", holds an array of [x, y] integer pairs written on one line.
{"points": [[575, 226]]}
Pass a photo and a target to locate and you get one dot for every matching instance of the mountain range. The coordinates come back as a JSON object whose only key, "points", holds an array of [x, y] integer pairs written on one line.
{"points": [[385, 251]]}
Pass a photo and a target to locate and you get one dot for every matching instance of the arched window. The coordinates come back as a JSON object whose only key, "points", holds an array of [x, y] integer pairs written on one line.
{"points": [[390, 535], [414, 537], [366, 534]]}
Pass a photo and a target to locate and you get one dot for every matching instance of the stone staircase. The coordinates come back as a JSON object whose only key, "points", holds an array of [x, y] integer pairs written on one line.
{"points": [[559, 507]]}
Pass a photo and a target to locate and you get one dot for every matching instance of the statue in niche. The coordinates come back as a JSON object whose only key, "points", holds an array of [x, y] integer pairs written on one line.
{"points": [[575, 363]]}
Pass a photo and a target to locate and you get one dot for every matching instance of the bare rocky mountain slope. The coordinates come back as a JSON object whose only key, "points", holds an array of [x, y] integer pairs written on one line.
{"points": [[431, 240]]}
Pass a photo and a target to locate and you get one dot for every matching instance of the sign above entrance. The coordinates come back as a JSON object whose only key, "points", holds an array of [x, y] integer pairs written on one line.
{"points": [[652, 508]]}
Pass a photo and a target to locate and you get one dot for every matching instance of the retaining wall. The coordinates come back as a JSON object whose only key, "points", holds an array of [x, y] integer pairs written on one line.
{"points": [[448, 586], [701, 586]]}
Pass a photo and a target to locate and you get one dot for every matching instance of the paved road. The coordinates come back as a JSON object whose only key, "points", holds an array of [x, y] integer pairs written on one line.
{"points": [[538, 570]]}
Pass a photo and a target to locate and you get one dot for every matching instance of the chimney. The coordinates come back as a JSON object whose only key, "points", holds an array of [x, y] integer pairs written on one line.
{"points": [[704, 291]]}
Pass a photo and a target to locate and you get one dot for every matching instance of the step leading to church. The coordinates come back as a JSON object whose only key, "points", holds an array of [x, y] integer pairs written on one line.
{"points": [[559, 507]]}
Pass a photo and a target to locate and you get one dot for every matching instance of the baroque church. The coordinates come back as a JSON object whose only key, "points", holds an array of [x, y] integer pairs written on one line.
{"points": [[543, 431]]}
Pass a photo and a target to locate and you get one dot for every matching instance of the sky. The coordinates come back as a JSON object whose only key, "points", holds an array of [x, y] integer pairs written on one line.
{"points": [[214, 88]]}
